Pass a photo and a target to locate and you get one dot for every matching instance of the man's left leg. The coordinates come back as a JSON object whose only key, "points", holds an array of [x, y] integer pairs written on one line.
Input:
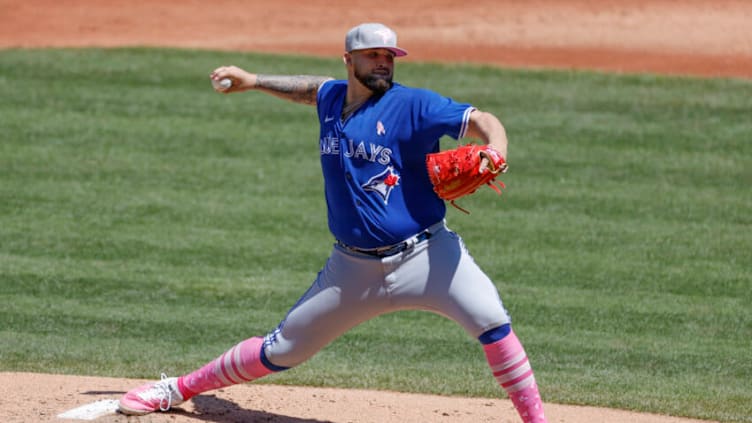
{"points": [[456, 287], [512, 370]]}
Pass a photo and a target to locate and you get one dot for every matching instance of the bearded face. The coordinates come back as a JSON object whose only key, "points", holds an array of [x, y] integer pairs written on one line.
{"points": [[374, 68], [378, 84]]}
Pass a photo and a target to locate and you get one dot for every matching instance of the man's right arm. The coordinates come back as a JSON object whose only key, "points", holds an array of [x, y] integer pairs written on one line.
{"points": [[298, 88]]}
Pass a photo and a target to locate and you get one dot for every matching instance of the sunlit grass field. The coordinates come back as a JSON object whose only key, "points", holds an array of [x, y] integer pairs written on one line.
{"points": [[147, 224]]}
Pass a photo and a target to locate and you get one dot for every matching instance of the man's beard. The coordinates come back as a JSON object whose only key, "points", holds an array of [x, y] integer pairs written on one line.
{"points": [[378, 84]]}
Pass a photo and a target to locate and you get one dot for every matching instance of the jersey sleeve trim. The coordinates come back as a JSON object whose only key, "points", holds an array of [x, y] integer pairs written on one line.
{"points": [[465, 122], [319, 91], [324, 82]]}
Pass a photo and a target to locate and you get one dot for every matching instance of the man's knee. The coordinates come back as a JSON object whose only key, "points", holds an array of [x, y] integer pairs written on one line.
{"points": [[496, 334]]}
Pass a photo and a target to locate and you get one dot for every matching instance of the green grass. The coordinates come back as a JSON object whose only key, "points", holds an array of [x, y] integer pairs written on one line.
{"points": [[147, 224]]}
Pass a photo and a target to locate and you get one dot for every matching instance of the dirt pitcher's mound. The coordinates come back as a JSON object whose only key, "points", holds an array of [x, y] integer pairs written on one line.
{"points": [[32, 397]]}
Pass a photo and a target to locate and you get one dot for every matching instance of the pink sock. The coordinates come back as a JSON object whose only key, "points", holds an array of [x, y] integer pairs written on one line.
{"points": [[512, 370], [241, 363]]}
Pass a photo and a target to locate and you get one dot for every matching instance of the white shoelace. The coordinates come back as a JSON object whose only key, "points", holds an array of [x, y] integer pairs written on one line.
{"points": [[161, 391], [166, 393]]}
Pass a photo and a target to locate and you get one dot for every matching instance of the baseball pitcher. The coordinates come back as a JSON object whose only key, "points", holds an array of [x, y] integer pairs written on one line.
{"points": [[385, 183]]}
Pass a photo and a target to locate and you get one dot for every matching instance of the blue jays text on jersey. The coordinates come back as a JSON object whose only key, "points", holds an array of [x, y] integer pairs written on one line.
{"points": [[376, 185], [363, 151]]}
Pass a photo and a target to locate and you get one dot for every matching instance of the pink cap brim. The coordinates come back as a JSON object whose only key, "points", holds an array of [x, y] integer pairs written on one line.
{"points": [[397, 51]]}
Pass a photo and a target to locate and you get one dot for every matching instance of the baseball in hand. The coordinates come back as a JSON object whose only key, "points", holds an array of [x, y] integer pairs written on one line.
{"points": [[222, 84]]}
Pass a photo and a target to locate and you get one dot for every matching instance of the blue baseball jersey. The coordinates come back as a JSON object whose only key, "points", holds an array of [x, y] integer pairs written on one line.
{"points": [[376, 184]]}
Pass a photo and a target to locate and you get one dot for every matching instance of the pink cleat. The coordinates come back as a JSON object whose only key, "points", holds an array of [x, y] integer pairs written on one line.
{"points": [[154, 396]]}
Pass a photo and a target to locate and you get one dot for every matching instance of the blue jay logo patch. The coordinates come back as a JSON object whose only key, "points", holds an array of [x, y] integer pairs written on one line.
{"points": [[383, 183]]}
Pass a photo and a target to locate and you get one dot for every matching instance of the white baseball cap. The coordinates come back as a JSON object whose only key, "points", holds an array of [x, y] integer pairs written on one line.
{"points": [[373, 35]]}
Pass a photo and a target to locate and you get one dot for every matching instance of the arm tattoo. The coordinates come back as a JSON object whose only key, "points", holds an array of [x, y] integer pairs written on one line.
{"points": [[297, 88]]}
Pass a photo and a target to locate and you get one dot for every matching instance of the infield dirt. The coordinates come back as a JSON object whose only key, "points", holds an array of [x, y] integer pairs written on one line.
{"points": [[693, 37]]}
